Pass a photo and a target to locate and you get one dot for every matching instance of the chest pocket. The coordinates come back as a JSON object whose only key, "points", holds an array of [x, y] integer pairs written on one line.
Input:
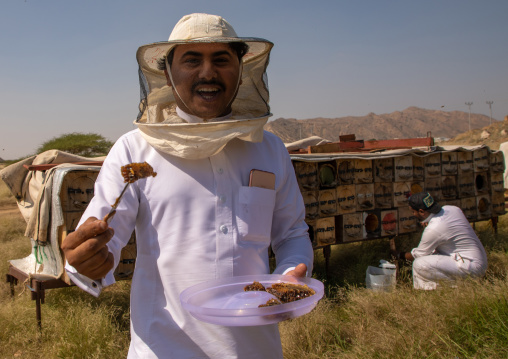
{"points": [[255, 213]]}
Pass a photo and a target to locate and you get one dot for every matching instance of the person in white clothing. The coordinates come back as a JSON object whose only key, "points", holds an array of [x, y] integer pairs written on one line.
{"points": [[203, 107], [449, 247]]}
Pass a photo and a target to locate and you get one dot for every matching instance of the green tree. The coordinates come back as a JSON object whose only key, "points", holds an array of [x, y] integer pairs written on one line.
{"points": [[82, 144]]}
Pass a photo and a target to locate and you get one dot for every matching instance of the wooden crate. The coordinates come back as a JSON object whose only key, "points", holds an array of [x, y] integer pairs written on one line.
{"points": [[383, 195], [363, 171], [449, 189], [389, 222], [465, 162], [449, 164], [383, 169], [468, 206], [418, 168], [371, 224], [364, 197], [498, 204], [481, 183], [433, 186], [327, 199], [406, 220], [346, 171], [497, 182], [465, 184], [497, 164], [481, 159], [401, 193], [350, 227], [484, 206], [306, 175], [325, 231], [311, 201], [432, 165], [346, 199], [403, 168], [327, 175]]}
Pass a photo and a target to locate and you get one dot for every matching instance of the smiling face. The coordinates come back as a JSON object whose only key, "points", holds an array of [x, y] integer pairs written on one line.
{"points": [[205, 77]]}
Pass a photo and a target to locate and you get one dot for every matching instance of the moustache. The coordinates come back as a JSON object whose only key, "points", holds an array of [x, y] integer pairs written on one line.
{"points": [[211, 82]]}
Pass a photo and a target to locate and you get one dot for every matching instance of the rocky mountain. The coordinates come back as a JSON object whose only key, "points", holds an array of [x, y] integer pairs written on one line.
{"points": [[409, 123]]}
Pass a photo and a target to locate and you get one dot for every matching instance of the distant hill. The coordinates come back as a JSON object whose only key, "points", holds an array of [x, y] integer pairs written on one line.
{"points": [[409, 123]]}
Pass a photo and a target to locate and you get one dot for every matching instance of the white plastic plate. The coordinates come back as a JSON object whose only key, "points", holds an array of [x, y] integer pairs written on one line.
{"points": [[224, 302]]}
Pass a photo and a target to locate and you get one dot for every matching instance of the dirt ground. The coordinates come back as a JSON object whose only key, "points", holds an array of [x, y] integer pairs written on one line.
{"points": [[9, 208]]}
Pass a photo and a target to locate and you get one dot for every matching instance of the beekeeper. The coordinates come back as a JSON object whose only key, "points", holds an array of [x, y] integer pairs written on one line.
{"points": [[203, 107], [449, 247]]}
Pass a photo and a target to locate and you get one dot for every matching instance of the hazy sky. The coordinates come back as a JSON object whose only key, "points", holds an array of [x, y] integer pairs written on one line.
{"points": [[69, 66]]}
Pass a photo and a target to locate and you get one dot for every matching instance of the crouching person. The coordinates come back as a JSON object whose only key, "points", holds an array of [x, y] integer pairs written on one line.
{"points": [[449, 248]]}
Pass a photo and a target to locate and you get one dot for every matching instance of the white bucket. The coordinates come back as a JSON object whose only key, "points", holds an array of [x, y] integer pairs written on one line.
{"points": [[380, 279]]}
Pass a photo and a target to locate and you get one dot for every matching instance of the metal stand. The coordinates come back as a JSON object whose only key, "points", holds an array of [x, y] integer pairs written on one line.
{"points": [[327, 252], [37, 287]]}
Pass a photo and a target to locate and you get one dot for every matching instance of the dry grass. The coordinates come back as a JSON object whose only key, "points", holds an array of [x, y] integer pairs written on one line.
{"points": [[469, 321]]}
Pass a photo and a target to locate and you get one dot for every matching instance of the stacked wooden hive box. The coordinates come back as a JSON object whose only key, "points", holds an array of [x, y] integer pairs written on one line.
{"points": [[350, 197]]}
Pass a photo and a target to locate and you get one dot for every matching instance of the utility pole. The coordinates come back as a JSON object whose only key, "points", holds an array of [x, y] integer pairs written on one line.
{"points": [[490, 106], [469, 105]]}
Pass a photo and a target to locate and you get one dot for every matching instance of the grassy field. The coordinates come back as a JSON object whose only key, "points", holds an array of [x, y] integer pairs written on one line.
{"points": [[470, 321]]}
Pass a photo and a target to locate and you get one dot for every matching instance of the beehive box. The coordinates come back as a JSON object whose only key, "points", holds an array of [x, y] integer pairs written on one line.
{"points": [[383, 195], [432, 164], [383, 170], [363, 171], [346, 199], [389, 222], [366, 194], [418, 168], [449, 164], [350, 227], [325, 231], [403, 168], [465, 162], [346, 171]]}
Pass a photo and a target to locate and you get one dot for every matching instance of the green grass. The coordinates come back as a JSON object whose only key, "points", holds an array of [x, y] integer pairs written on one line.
{"points": [[469, 321]]}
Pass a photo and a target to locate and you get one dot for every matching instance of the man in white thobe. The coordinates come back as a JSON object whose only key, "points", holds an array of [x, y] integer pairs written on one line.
{"points": [[204, 104]]}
